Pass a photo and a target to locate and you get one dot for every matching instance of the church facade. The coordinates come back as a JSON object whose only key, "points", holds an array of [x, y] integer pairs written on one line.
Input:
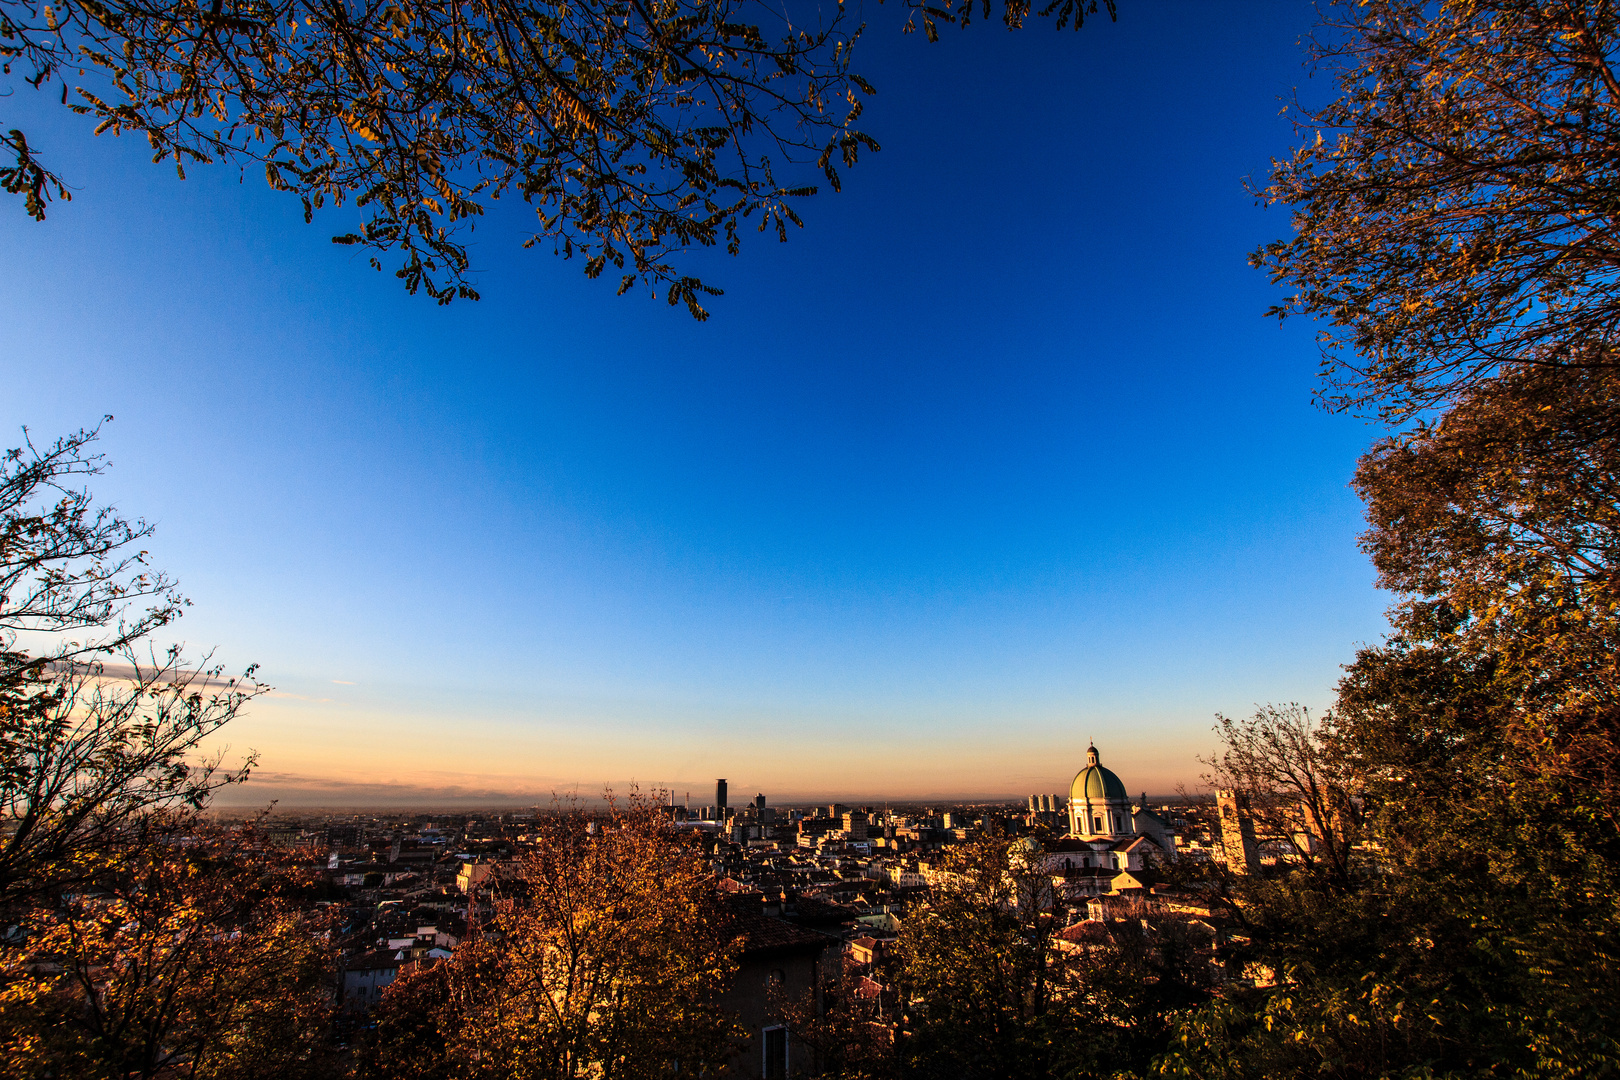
{"points": [[1110, 839], [1099, 808]]}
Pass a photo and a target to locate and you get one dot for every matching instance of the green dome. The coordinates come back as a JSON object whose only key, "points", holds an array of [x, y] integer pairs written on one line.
{"points": [[1096, 782]]}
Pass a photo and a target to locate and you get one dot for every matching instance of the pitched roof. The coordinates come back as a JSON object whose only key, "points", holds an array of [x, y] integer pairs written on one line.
{"points": [[1132, 841], [1070, 843], [1134, 879], [761, 933], [1088, 931], [378, 960]]}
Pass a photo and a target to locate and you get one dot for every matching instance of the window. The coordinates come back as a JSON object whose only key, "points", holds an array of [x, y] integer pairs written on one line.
{"points": [[1096, 823], [776, 1053]]}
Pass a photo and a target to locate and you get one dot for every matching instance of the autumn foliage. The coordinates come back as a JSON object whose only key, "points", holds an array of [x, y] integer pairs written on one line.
{"points": [[605, 957], [192, 955]]}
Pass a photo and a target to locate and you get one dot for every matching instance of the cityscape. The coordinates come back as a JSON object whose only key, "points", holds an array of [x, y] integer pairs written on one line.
{"points": [[737, 540], [818, 888]]}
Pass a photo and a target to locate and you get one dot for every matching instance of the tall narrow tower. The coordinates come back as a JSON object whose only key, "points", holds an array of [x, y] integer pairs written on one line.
{"points": [[720, 799], [1237, 833]]}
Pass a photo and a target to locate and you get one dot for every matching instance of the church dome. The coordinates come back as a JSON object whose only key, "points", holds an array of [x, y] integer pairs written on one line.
{"points": [[1097, 783]]}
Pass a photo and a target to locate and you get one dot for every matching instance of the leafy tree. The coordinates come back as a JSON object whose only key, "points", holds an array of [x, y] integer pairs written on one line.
{"points": [[1375, 983], [1453, 204], [635, 128], [1282, 762], [1116, 1006], [1485, 729], [1453, 216], [1473, 935], [1501, 527], [605, 958], [97, 728], [988, 993], [1473, 938], [1453, 220], [408, 1043], [976, 967], [848, 1026], [192, 956]]}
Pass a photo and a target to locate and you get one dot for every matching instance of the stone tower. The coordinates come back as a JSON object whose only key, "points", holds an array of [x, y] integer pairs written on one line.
{"points": [[1237, 833]]}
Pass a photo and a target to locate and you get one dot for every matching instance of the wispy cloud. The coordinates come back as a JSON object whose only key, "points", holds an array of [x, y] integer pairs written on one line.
{"points": [[428, 790], [156, 672]]}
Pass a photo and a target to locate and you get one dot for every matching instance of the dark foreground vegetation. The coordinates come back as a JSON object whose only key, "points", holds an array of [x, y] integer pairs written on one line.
{"points": [[1452, 907]]}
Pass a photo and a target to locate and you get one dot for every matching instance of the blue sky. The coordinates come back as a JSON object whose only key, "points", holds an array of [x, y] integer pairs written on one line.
{"points": [[996, 456]]}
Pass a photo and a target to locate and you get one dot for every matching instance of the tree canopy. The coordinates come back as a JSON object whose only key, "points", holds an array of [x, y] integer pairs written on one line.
{"points": [[1454, 204], [605, 958], [635, 128], [1454, 231]]}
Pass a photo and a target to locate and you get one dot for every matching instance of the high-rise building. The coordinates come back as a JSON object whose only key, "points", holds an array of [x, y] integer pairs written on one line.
{"points": [[855, 825], [836, 810], [759, 801], [720, 799]]}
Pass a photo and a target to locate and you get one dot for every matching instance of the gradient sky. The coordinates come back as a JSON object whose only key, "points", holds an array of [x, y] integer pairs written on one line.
{"points": [[996, 456]]}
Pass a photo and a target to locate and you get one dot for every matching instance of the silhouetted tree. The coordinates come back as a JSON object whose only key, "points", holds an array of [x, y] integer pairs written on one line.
{"points": [[1282, 762], [97, 727]]}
